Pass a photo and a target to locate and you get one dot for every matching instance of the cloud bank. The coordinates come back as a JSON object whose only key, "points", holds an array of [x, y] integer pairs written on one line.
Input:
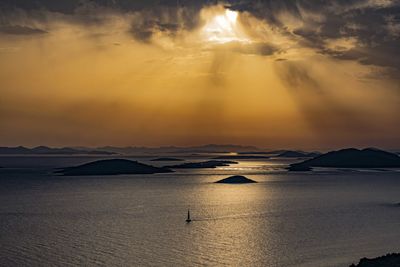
{"points": [[289, 73], [363, 30]]}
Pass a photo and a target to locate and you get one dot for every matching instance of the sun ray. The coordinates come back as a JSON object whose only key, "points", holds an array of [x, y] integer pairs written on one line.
{"points": [[223, 28]]}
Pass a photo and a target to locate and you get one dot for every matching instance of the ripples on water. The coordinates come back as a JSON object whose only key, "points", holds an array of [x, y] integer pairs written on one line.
{"points": [[327, 218]]}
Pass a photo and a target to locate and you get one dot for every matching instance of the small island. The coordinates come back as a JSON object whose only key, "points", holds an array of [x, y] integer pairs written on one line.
{"points": [[297, 154], [390, 260], [254, 153], [299, 168], [228, 157], [237, 179], [167, 159], [350, 158], [112, 167], [203, 165]]}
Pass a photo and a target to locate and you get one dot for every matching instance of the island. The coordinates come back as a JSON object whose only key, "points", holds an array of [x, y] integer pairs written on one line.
{"points": [[297, 154], [299, 168], [202, 165], [350, 158], [254, 153], [237, 179], [228, 157], [390, 260], [167, 159], [112, 167]]}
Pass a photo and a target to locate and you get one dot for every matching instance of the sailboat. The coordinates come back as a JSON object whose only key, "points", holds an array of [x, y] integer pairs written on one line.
{"points": [[188, 220]]}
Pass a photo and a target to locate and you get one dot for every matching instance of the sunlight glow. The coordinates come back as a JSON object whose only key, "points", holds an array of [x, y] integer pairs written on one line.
{"points": [[224, 28]]}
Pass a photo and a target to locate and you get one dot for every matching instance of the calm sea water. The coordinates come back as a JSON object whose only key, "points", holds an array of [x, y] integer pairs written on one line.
{"points": [[324, 218]]}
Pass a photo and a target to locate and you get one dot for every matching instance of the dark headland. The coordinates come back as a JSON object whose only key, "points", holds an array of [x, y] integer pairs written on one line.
{"points": [[351, 158], [390, 260], [203, 165], [237, 179], [167, 159], [112, 167]]}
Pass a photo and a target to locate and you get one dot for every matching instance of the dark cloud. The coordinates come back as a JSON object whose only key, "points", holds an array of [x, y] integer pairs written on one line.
{"points": [[66, 6], [168, 20], [70, 6], [296, 76], [142, 31], [20, 30], [263, 49], [375, 24], [376, 44]]}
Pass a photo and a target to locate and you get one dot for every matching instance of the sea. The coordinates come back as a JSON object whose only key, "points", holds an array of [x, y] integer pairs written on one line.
{"points": [[327, 217]]}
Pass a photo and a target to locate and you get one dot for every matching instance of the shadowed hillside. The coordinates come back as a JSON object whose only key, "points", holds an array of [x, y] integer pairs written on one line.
{"points": [[351, 158], [390, 260]]}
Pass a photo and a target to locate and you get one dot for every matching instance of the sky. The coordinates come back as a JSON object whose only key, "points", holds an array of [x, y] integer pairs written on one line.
{"points": [[275, 74]]}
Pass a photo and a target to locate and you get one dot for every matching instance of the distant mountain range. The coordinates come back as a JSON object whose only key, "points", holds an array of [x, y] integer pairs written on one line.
{"points": [[211, 148], [43, 150], [283, 153], [242, 151], [110, 150]]}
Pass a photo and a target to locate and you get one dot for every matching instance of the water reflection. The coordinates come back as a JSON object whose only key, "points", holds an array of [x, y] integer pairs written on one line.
{"points": [[232, 226]]}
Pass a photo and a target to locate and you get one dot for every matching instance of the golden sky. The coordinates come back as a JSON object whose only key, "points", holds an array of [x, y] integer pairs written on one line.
{"points": [[232, 77]]}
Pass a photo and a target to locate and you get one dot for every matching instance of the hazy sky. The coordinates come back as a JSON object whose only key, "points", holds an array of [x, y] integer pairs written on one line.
{"points": [[287, 73]]}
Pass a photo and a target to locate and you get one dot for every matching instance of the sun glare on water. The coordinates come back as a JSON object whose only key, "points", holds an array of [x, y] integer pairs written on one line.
{"points": [[224, 28]]}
